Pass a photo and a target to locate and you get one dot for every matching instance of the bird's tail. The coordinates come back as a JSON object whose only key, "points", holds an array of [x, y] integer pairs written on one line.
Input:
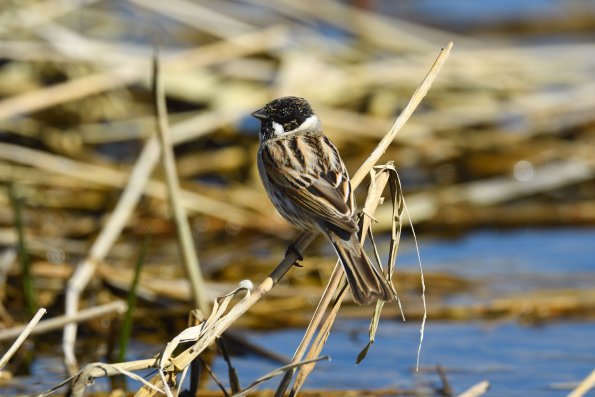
{"points": [[366, 282]]}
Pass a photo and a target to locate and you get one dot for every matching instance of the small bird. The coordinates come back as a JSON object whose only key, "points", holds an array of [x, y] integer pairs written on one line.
{"points": [[308, 183]]}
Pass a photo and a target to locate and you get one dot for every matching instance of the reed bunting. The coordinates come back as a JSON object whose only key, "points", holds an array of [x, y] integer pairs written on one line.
{"points": [[307, 182]]}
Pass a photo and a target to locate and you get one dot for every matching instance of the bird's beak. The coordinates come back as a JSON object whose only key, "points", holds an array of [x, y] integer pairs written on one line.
{"points": [[260, 114]]}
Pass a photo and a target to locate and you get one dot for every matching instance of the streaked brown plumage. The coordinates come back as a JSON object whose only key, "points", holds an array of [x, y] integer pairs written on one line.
{"points": [[307, 182]]}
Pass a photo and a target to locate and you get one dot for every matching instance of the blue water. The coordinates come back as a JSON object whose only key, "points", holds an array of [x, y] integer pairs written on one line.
{"points": [[531, 251], [463, 14], [467, 11], [516, 360]]}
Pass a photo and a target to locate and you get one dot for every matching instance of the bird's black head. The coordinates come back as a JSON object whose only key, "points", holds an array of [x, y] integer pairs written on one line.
{"points": [[286, 115]]}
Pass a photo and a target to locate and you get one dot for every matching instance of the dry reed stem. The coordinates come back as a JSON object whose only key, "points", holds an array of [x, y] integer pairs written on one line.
{"points": [[357, 178], [337, 276], [186, 243], [587, 384], [21, 338], [107, 237], [58, 322], [319, 342], [325, 300], [377, 187], [477, 390], [98, 370], [274, 373], [399, 123]]}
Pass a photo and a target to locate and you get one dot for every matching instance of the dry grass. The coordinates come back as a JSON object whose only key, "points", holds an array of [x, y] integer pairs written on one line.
{"points": [[493, 143], [221, 318]]}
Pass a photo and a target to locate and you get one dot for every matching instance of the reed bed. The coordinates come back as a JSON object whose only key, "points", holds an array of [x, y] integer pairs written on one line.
{"points": [[503, 139]]}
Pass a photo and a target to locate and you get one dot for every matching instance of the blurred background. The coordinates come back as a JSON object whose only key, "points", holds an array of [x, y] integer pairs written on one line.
{"points": [[497, 166]]}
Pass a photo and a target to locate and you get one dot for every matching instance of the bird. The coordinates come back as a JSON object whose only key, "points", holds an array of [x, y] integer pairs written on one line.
{"points": [[308, 184]]}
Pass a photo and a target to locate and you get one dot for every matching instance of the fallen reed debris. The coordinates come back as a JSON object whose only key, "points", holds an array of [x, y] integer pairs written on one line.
{"points": [[503, 140]]}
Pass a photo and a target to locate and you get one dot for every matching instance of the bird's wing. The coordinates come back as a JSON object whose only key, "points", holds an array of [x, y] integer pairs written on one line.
{"points": [[321, 188]]}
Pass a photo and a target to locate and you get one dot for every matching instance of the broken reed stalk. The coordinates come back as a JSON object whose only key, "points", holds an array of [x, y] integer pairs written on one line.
{"points": [[357, 178], [21, 338], [185, 240]]}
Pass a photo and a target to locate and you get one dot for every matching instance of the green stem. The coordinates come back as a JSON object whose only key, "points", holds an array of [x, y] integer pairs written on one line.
{"points": [[127, 324], [28, 290]]}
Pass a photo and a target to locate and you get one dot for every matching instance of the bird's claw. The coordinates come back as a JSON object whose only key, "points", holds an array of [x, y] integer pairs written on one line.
{"points": [[292, 249]]}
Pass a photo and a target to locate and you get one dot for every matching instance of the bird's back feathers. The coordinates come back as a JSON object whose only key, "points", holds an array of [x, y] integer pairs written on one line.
{"points": [[320, 191]]}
